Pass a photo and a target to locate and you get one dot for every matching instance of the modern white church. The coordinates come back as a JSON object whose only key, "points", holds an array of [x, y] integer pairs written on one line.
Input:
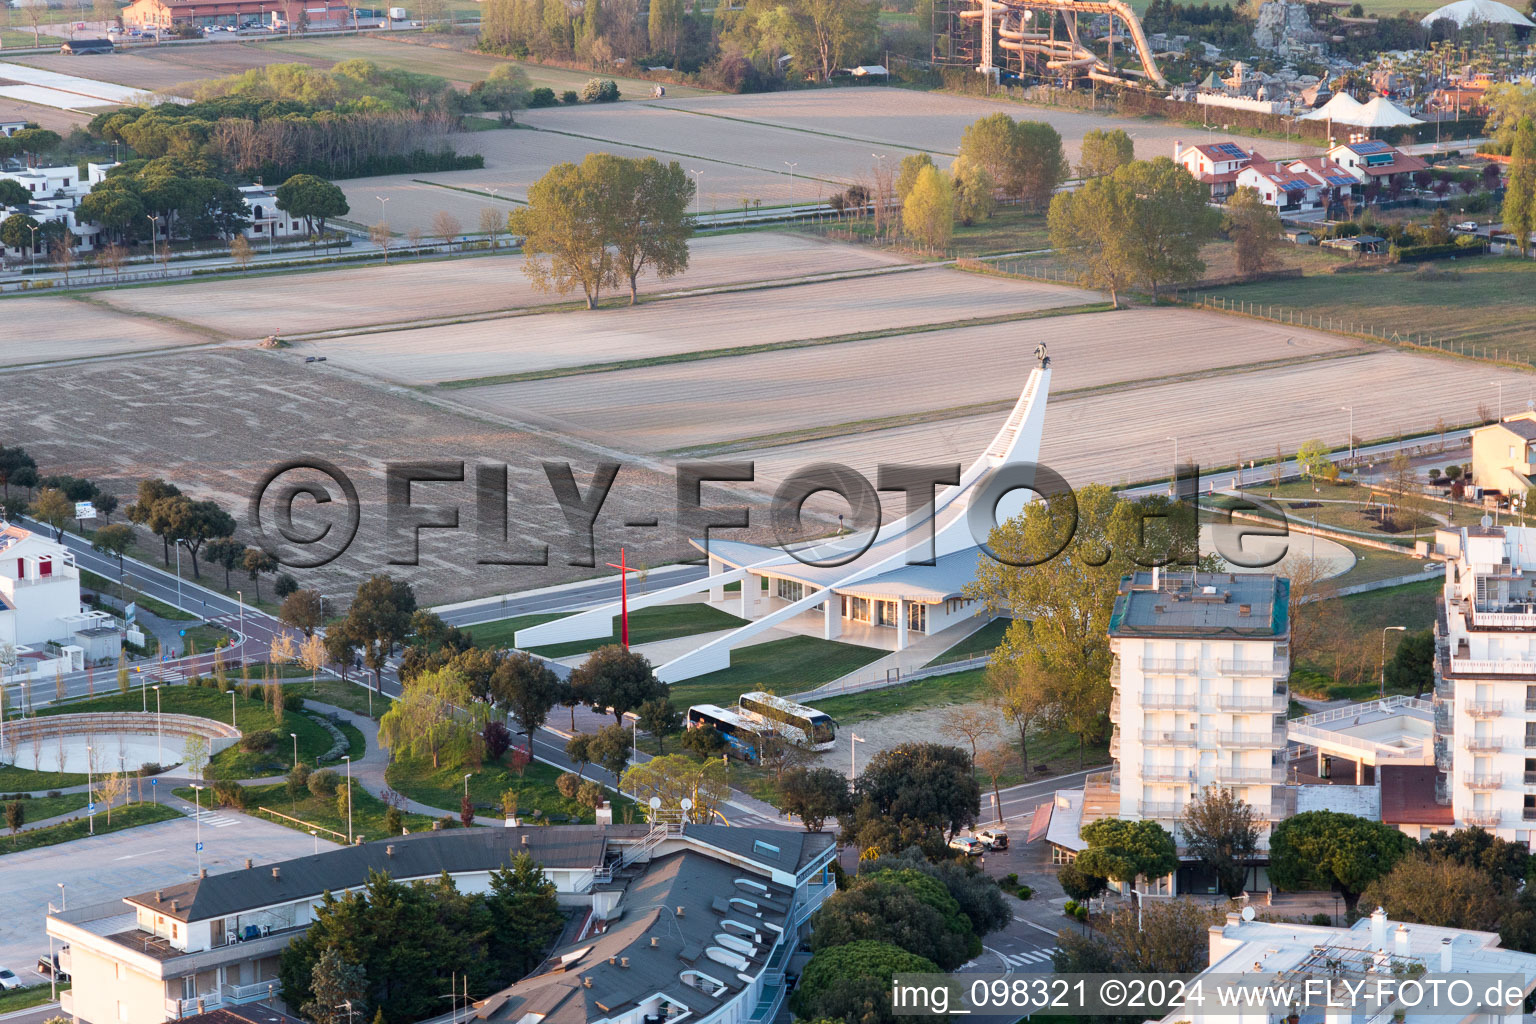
{"points": [[910, 576]]}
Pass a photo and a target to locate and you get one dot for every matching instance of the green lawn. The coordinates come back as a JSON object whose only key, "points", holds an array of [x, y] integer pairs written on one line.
{"points": [[444, 787], [44, 807], [1482, 301], [348, 696], [983, 641], [1010, 229], [148, 604], [789, 665], [31, 995], [14, 779], [251, 716], [955, 688], [130, 816], [17, 38], [648, 625], [367, 810], [1372, 565]]}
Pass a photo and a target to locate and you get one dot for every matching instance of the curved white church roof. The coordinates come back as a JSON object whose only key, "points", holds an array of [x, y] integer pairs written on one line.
{"points": [[1489, 12]]}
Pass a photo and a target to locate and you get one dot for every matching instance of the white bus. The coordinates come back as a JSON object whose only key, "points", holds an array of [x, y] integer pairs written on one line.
{"points": [[801, 725], [740, 732]]}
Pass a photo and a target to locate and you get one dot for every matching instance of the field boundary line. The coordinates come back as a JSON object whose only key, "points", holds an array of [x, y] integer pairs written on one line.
{"points": [[768, 346], [873, 425], [92, 299], [804, 131]]}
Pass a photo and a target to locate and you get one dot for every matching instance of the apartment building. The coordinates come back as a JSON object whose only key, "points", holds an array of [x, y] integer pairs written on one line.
{"points": [[1201, 663], [673, 920], [1485, 678]]}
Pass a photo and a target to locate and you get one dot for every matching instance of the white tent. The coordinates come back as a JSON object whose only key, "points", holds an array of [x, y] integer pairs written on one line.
{"points": [[1340, 108], [1488, 12], [1383, 113]]}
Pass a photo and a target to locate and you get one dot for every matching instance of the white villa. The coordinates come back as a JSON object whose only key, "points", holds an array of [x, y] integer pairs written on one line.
{"points": [[40, 604]]}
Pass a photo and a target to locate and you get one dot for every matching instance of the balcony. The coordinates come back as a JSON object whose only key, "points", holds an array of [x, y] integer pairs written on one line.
{"points": [[250, 993], [1168, 773], [1274, 775], [1169, 737], [1530, 778], [1170, 701], [1528, 814], [1114, 707], [1252, 740], [1485, 781], [1492, 667], [1253, 668], [1483, 708], [1530, 705], [1114, 743], [1483, 744], [1159, 809], [1487, 819], [1274, 703], [1169, 666]]}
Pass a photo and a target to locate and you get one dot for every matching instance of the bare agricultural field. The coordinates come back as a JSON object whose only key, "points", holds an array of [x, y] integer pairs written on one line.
{"points": [[924, 121], [1109, 437], [741, 402], [214, 421], [403, 293], [159, 71], [752, 317], [61, 121], [514, 160], [50, 328]]}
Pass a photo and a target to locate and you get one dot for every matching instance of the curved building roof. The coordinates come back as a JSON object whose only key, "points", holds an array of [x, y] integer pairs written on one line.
{"points": [[1489, 12]]}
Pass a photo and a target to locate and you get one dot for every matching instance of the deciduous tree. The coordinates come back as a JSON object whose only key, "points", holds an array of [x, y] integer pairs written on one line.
{"points": [[1254, 228], [434, 712], [1519, 211], [1104, 151], [814, 795], [1326, 849], [616, 680], [677, 776], [648, 225], [928, 214], [1221, 829], [526, 687]]}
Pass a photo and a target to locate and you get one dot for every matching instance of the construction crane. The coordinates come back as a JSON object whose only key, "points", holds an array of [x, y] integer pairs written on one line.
{"points": [[1046, 34]]}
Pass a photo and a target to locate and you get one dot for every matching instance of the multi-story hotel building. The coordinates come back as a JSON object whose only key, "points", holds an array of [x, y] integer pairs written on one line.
{"points": [[670, 921], [1201, 662], [1485, 678]]}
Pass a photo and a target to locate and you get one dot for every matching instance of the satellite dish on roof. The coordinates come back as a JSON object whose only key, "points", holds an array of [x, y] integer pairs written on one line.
{"points": [[1249, 914], [655, 803], [687, 804], [1487, 521]]}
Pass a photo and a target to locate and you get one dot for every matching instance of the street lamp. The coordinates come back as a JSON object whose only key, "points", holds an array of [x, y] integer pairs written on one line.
{"points": [[791, 166], [240, 599], [33, 228], [295, 737], [853, 755], [382, 200], [159, 732], [1500, 385], [1175, 482], [63, 900], [232, 709], [153, 250], [698, 191], [466, 784], [90, 787], [1351, 410], [1384, 631], [348, 758]]}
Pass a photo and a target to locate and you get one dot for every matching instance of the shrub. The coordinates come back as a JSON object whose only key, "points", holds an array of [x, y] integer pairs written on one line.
{"points": [[284, 584], [259, 740], [497, 739], [600, 90], [1322, 919], [1070, 908], [323, 782], [542, 97], [145, 769], [229, 793], [394, 821], [298, 778], [343, 802], [569, 97], [568, 783], [591, 794], [293, 702]]}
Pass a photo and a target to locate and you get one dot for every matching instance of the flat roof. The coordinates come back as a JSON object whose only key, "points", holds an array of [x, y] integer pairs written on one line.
{"points": [[1239, 605]]}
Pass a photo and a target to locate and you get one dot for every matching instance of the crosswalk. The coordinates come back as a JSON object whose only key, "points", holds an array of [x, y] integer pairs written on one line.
{"points": [[1035, 956], [214, 819]]}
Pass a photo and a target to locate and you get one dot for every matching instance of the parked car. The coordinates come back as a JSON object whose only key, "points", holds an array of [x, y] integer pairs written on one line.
{"points": [[46, 967], [1467, 225], [968, 845], [8, 979], [996, 838]]}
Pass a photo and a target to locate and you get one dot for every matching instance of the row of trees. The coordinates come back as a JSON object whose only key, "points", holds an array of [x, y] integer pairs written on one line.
{"points": [[392, 951]]}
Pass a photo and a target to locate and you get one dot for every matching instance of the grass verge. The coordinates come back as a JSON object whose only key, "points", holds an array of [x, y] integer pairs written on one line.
{"points": [[934, 691], [327, 812], [444, 787], [337, 693], [790, 665], [25, 780], [646, 626], [131, 816], [28, 997]]}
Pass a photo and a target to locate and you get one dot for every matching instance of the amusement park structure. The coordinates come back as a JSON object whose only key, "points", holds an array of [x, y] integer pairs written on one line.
{"points": [[1047, 41]]}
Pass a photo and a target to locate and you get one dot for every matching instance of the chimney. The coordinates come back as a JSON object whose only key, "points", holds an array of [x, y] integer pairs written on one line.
{"points": [[1234, 919], [277, 872], [1400, 940], [249, 863], [389, 850], [1245, 609], [613, 960], [1378, 928], [680, 911], [586, 981], [655, 942], [1178, 149], [159, 895], [175, 904], [202, 872], [1445, 956], [525, 838], [624, 961], [1154, 577]]}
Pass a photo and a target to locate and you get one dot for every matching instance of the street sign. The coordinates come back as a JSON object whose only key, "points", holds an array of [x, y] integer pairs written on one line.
{"points": [[90, 808], [85, 510], [131, 611], [199, 847], [181, 632], [154, 782]]}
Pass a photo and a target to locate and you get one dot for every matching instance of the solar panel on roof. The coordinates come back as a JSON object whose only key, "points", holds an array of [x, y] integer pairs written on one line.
{"points": [[1229, 149], [1371, 147], [1339, 179]]}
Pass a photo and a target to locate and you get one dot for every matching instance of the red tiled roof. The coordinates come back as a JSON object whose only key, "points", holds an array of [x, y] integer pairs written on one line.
{"points": [[1408, 796]]}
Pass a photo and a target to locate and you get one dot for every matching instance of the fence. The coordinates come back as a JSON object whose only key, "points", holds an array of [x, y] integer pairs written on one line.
{"points": [[1032, 269], [340, 837], [1294, 317], [893, 677]]}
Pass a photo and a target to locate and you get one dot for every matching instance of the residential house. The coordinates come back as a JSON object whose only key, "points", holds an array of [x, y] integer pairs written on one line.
{"points": [[1216, 165], [1374, 162], [673, 921], [1504, 455], [1302, 186], [167, 15]]}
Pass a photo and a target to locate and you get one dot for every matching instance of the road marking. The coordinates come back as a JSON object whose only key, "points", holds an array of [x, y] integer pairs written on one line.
{"points": [[1040, 927], [1007, 964]]}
